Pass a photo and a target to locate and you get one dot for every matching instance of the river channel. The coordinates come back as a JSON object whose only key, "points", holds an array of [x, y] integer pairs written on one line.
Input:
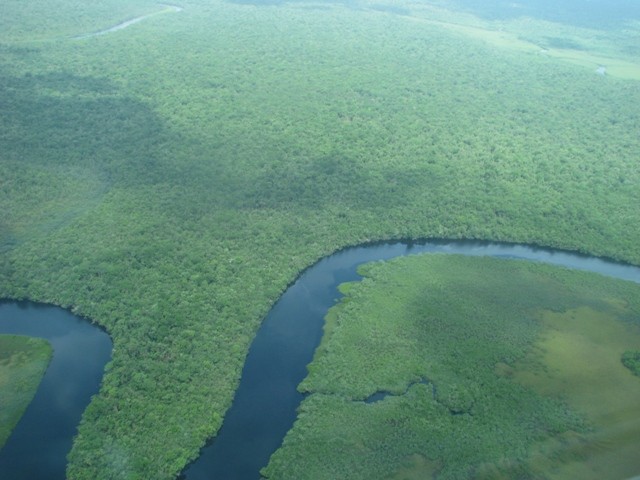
{"points": [[264, 407], [128, 23], [38, 446]]}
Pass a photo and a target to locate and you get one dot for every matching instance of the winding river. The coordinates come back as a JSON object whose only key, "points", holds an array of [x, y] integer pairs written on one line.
{"points": [[38, 446], [265, 404]]}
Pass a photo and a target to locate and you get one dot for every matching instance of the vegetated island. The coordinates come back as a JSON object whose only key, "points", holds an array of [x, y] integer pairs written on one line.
{"points": [[23, 361], [496, 369]]}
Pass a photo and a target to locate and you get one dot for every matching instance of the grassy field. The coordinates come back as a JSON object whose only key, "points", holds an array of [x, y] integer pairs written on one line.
{"points": [[170, 179], [494, 368], [23, 362]]}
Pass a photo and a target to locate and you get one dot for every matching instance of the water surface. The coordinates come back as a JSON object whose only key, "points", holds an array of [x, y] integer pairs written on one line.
{"points": [[128, 23], [38, 446], [265, 404]]}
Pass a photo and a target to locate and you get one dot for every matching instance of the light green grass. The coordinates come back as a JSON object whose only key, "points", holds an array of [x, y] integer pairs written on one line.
{"points": [[582, 46], [577, 357]]}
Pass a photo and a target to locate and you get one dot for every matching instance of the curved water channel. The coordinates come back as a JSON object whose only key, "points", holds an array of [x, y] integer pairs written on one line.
{"points": [[125, 24], [38, 446], [265, 404], [264, 407]]}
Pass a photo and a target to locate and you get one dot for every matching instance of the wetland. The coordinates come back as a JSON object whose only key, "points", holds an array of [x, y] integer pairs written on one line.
{"points": [[524, 370]]}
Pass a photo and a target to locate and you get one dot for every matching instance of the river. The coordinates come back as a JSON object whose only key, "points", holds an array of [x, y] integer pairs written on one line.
{"points": [[265, 404], [38, 446], [264, 407], [128, 23]]}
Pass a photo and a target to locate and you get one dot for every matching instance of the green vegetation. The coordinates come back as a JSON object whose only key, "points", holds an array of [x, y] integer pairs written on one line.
{"points": [[511, 392], [170, 179], [631, 360], [23, 362], [577, 357]]}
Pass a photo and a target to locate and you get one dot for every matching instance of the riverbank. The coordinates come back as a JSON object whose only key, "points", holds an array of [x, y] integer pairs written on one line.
{"points": [[495, 405], [236, 145]]}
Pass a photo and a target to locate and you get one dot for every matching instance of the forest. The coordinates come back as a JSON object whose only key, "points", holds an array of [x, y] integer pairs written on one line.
{"points": [[168, 180]]}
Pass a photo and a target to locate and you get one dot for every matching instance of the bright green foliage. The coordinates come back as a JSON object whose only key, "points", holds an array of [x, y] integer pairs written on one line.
{"points": [[170, 179], [454, 322], [23, 361], [631, 360]]}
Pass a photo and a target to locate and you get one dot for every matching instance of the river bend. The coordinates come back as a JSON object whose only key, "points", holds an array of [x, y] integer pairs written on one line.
{"points": [[265, 404], [264, 407]]}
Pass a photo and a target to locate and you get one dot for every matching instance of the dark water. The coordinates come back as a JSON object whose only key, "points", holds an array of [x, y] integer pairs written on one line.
{"points": [[38, 447], [596, 14], [264, 408], [599, 14], [381, 395]]}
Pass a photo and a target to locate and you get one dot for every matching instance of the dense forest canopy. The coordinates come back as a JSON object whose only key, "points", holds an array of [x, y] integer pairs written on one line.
{"points": [[23, 361], [169, 179]]}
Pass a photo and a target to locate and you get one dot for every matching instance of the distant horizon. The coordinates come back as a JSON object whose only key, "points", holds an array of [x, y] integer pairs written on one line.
{"points": [[582, 13]]}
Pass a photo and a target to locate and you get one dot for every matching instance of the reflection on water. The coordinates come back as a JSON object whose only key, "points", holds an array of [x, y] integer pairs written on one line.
{"points": [[578, 358], [265, 404], [38, 446], [122, 25]]}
